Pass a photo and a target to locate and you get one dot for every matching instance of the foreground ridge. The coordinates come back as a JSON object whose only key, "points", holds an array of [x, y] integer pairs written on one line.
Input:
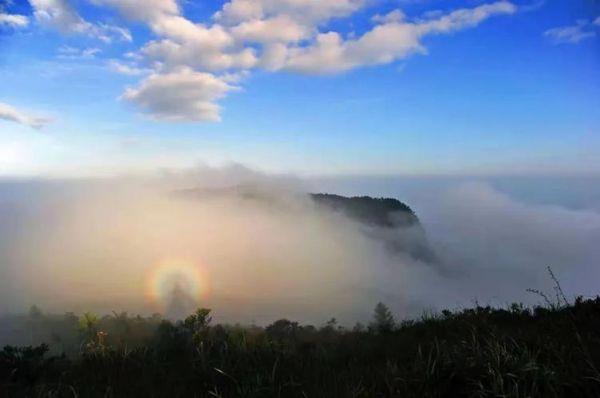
{"points": [[551, 351]]}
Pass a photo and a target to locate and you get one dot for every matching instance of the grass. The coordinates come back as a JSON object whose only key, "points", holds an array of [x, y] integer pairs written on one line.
{"points": [[549, 351]]}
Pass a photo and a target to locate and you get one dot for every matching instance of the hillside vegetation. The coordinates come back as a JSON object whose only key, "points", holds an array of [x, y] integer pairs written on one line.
{"points": [[549, 351], [383, 212]]}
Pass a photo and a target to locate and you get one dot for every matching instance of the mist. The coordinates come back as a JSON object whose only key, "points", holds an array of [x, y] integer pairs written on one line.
{"points": [[136, 243]]}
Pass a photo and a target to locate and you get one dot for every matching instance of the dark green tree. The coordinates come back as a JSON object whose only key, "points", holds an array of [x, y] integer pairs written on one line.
{"points": [[35, 322], [198, 321], [197, 324], [383, 320]]}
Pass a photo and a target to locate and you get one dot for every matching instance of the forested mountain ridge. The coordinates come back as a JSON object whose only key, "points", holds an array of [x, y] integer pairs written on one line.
{"points": [[385, 220], [382, 212]]}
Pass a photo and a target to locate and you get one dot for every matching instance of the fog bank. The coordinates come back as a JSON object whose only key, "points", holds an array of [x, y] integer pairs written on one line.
{"points": [[127, 243]]}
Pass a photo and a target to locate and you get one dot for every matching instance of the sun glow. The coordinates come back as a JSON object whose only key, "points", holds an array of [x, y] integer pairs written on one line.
{"points": [[171, 274]]}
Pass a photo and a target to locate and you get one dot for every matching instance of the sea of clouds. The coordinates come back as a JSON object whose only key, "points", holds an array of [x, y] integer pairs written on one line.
{"points": [[75, 245]]}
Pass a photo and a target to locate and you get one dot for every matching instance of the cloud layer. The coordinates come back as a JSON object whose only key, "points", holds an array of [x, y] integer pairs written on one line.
{"points": [[499, 246], [81, 245]]}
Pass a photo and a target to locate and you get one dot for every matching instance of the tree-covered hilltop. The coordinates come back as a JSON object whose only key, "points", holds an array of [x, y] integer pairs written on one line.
{"points": [[551, 351], [382, 212], [385, 220], [392, 222]]}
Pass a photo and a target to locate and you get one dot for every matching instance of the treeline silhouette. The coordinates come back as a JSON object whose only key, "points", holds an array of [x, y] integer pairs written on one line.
{"points": [[544, 351], [383, 212]]}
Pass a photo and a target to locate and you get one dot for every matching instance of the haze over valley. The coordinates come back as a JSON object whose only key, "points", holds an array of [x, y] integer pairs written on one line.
{"points": [[257, 246]]}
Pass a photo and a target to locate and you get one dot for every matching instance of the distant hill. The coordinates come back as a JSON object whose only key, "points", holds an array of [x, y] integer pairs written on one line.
{"points": [[382, 212], [385, 220]]}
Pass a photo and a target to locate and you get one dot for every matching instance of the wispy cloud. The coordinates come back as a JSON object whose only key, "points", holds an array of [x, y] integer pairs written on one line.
{"points": [[68, 52], [60, 15], [13, 20], [582, 30], [10, 113], [126, 68]]}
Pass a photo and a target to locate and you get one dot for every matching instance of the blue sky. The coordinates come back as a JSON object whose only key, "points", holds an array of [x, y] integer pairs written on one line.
{"points": [[96, 87]]}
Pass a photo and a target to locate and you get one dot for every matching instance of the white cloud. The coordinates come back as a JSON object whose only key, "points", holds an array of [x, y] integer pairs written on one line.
{"points": [[10, 113], [142, 10], [309, 12], [466, 17], [385, 43], [126, 69], [59, 15], [108, 31], [281, 28], [571, 34], [182, 42], [510, 243], [183, 95], [597, 21], [290, 39], [392, 16], [198, 54], [189, 44], [14, 20], [68, 52], [273, 35]]}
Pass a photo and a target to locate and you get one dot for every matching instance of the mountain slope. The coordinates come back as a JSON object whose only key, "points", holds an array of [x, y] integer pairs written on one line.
{"points": [[382, 212]]}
